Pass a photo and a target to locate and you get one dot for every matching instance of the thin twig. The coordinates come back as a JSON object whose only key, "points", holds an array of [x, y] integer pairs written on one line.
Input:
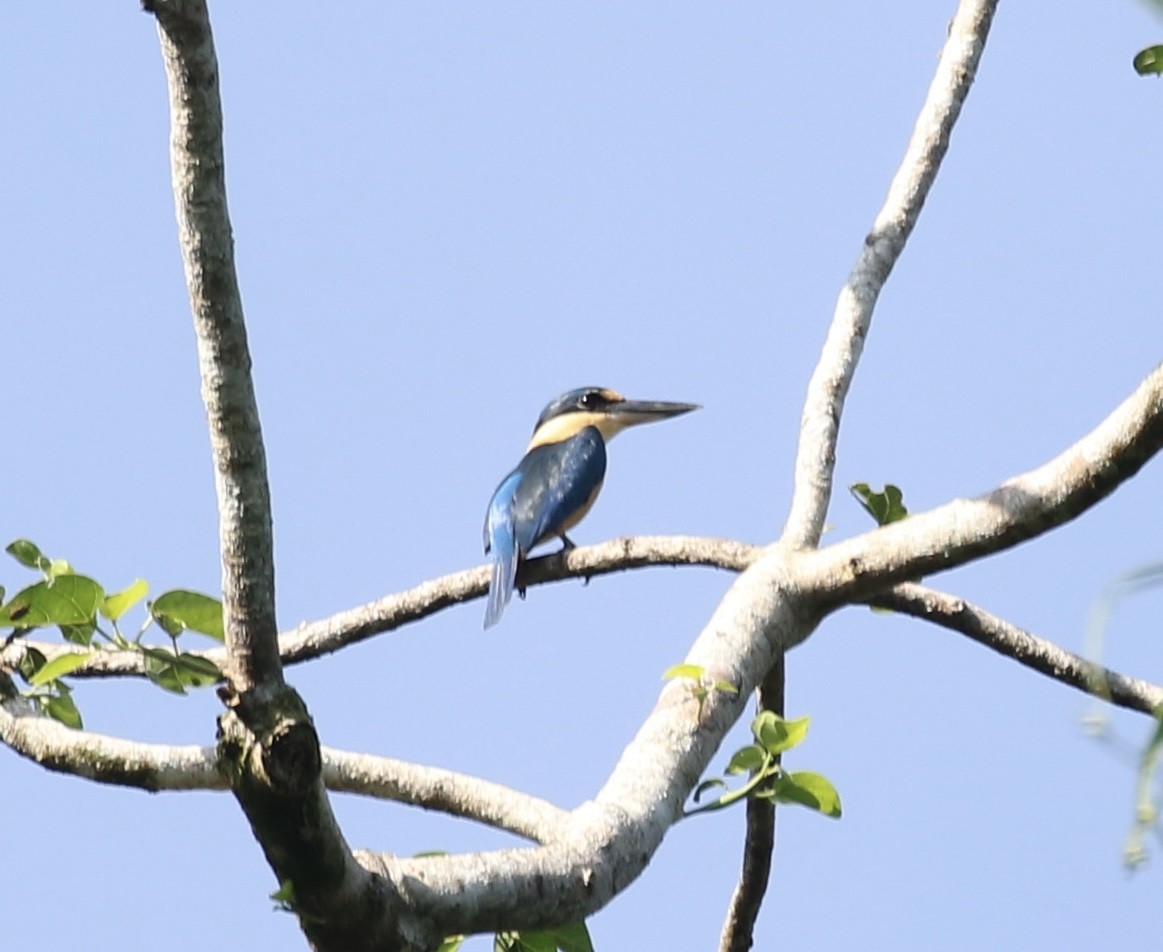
{"points": [[314, 639], [820, 422], [759, 841], [1008, 639], [445, 791]]}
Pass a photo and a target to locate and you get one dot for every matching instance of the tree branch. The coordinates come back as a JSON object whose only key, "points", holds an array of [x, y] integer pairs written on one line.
{"points": [[267, 743], [1008, 639], [828, 388], [199, 180], [774, 605], [759, 841], [99, 757], [445, 791], [1020, 509], [153, 767], [314, 639]]}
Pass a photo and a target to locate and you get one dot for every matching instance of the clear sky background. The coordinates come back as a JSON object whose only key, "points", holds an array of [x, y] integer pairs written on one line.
{"points": [[446, 214]]}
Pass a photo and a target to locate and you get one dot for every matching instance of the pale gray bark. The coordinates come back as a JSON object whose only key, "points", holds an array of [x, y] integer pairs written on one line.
{"points": [[207, 245], [852, 318], [269, 755]]}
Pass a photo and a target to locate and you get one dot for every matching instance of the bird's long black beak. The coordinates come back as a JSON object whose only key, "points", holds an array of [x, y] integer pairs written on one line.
{"points": [[633, 412]]}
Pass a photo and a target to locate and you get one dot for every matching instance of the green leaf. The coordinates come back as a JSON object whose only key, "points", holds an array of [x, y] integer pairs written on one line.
{"points": [[885, 507], [115, 605], [746, 759], [30, 662], [66, 600], [1146, 812], [807, 789], [528, 941], [1149, 62], [27, 554], [573, 937], [284, 896], [61, 707], [725, 686], [776, 735], [61, 665], [693, 671], [451, 944], [81, 634], [176, 672], [180, 609]]}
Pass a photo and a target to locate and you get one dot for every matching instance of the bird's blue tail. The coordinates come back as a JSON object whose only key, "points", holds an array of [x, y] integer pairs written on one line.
{"points": [[501, 543]]}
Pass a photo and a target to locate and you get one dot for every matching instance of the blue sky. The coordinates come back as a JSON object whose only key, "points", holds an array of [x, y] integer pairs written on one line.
{"points": [[444, 216]]}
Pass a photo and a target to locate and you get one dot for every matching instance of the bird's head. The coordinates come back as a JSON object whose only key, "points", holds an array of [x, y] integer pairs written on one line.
{"points": [[606, 410]]}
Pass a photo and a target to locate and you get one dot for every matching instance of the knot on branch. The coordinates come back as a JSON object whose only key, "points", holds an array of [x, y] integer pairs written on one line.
{"points": [[270, 742]]}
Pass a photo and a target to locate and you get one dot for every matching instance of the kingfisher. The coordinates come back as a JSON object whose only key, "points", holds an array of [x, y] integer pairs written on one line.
{"points": [[558, 478]]}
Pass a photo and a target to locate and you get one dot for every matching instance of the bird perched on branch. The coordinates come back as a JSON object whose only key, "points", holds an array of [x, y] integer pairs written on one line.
{"points": [[558, 479]]}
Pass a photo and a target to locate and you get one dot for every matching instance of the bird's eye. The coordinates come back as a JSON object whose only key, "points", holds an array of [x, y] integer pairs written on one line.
{"points": [[588, 401]]}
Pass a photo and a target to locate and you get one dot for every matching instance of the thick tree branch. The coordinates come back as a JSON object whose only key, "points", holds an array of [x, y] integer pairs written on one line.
{"points": [[820, 423], [1008, 639], [267, 742], [199, 179], [774, 605], [1020, 509], [759, 841]]}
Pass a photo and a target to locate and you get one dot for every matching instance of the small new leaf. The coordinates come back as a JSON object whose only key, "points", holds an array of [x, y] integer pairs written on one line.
{"points": [[776, 735], [885, 507], [747, 759], [115, 605], [692, 671], [57, 668], [451, 944]]}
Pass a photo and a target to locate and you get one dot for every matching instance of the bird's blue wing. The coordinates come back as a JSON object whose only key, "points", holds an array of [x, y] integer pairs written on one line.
{"points": [[501, 543], [551, 488], [558, 484]]}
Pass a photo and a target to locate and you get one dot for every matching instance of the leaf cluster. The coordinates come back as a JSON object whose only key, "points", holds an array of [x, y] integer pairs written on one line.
{"points": [[767, 780], [81, 609]]}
